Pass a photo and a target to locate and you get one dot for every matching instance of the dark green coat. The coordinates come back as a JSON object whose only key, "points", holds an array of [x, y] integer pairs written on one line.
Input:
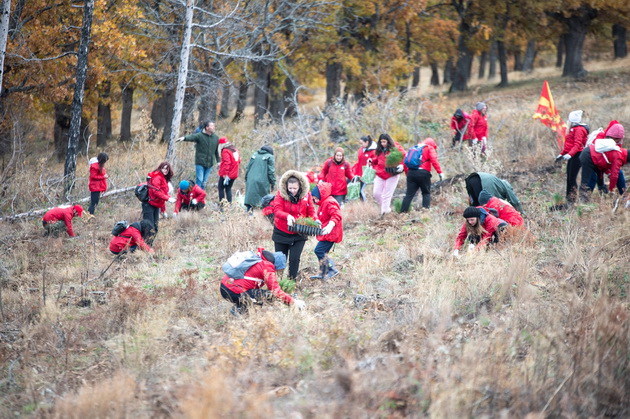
{"points": [[260, 176], [206, 148]]}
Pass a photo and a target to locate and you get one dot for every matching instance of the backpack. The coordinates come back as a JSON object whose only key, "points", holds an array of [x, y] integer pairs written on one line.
{"points": [[119, 227], [142, 191], [413, 159], [237, 264], [593, 135]]}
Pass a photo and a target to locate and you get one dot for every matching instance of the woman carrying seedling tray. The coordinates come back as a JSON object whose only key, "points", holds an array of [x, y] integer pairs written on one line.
{"points": [[293, 201], [388, 163]]}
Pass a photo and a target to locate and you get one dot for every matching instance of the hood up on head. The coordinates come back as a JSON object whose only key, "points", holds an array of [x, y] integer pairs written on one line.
{"points": [[325, 189], [301, 177], [430, 142]]}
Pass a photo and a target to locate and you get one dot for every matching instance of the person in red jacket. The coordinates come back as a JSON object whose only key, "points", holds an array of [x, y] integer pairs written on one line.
{"points": [[480, 228], [98, 179], [57, 218], [621, 180], [460, 126], [189, 197], [574, 143], [385, 182], [420, 177], [292, 201], [132, 237], [228, 168], [329, 215], [158, 195], [504, 210], [335, 171], [367, 153], [242, 291], [479, 126]]}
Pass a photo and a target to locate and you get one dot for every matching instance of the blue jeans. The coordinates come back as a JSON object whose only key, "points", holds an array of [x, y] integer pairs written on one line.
{"points": [[203, 173], [322, 249], [621, 182]]}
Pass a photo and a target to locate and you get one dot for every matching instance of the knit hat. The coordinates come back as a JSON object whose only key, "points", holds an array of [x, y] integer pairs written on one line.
{"points": [[223, 140], [79, 210], [339, 150], [616, 131], [575, 117], [484, 197], [280, 261], [459, 114], [315, 193], [472, 212], [480, 105], [184, 185]]}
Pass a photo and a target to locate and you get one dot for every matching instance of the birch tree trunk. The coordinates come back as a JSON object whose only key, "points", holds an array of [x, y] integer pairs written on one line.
{"points": [[4, 34], [181, 82], [79, 90]]}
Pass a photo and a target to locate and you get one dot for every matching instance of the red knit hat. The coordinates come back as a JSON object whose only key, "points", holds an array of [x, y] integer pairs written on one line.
{"points": [[223, 140], [616, 131], [79, 210]]}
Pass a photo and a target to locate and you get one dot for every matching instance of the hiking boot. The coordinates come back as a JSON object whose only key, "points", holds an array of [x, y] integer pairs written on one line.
{"points": [[331, 272], [323, 268]]}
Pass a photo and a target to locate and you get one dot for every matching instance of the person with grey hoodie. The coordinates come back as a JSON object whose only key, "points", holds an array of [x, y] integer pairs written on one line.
{"points": [[260, 177]]}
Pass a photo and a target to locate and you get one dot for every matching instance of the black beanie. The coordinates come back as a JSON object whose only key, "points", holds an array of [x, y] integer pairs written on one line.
{"points": [[484, 197], [472, 212]]}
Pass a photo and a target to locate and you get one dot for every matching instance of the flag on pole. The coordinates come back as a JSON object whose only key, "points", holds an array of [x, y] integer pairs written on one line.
{"points": [[548, 114]]}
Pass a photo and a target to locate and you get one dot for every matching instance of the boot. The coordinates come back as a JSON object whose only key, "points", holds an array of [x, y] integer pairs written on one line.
{"points": [[323, 268], [331, 271]]}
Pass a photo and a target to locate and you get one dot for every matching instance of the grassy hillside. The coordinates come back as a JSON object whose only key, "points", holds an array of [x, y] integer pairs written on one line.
{"points": [[536, 326]]}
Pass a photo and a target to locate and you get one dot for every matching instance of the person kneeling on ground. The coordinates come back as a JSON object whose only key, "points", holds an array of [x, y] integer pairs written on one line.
{"points": [[242, 291], [57, 218], [189, 197], [480, 228], [504, 210], [132, 237], [332, 231]]}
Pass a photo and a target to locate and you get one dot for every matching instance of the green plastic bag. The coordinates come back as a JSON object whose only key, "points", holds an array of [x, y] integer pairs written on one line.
{"points": [[368, 175], [354, 190]]}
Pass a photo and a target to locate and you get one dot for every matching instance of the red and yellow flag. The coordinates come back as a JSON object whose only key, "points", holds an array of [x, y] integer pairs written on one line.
{"points": [[548, 114]]}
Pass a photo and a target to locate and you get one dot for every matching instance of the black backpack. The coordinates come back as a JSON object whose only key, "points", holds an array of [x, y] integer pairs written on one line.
{"points": [[142, 191], [119, 227]]}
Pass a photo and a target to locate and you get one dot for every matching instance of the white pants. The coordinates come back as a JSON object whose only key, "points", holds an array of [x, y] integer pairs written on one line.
{"points": [[384, 191]]}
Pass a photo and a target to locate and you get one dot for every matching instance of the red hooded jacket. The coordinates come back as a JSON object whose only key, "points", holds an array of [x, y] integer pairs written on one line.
{"points": [[478, 125], [196, 193], [264, 273], [610, 163], [230, 162], [459, 124], [378, 162], [283, 206], [364, 155], [603, 134], [64, 214], [491, 225], [329, 210], [336, 174], [429, 156], [158, 194], [98, 181], [129, 237], [575, 140], [506, 211]]}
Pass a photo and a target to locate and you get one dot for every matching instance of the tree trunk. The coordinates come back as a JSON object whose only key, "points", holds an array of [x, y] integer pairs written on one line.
{"points": [[415, 77], [619, 41], [560, 51], [261, 89], [290, 97], [125, 116], [448, 71], [530, 56], [62, 126], [241, 101], [462, 68], [483, 60], [182, 76], [502, 63], [577, 26], [104, 116], [435, 74], [469, 70], [74, 133], [518, 61], [492, 69], [276, 97], [162, 111], [333, 82], [225, 101], [4, 35]]}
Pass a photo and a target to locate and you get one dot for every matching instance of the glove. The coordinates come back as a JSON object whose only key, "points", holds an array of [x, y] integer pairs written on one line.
{"points": [[226, 181], [558, 157], [194, 202], [174, 215], [319, 223], [356, 178], [299, 305], [456, 253], [566, 157], [399, 168], [171, 200], [471, 246], [179, 140], [475, 141], [329, 227], [164, 215], [441, 176], [290, 220]]}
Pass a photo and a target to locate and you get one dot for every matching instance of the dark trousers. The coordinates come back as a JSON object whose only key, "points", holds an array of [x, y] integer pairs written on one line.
{"points": [[225, 191], [193, 207], [417, 179], [242, 300], [151, 213], [293, 252], [322, 249], [474, 188], [339, 198], [94, 198], [621, 182], [588, 169], [573, 167]]}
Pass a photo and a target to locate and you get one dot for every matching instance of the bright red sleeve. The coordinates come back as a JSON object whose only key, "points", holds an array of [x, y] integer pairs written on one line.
{"points": [[461, 237], [274, 287]]}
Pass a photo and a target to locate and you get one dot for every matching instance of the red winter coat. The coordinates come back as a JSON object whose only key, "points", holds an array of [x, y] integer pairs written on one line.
{"points": [[506, 211], [129, 237], [196, 193], [64, 214], [610, 163], [378, 162], [158, 190], [264, 274], [282, 206], [98, 181], [603, 134], [230, 162], [478, 125], [336, 174], [459, 124], [364, 155], [429, 156], [575, 141], [329, 211], [490, 225]]}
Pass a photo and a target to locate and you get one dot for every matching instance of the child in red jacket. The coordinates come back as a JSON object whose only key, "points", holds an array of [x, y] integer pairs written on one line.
{"points": [[332, 232], [57, 218], [189, 197], [228, 168], [480, 228], [98, 179]]}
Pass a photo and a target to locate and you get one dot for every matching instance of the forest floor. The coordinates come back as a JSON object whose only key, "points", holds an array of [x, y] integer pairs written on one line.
{"points": [[536, 326]]}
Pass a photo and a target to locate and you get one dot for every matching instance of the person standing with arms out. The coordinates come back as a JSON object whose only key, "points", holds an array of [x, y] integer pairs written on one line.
{"points": [[574, 143], [366, 155], [206, 152], [189, 197], [57, 218], [419, 161], [228, 168], [479, 126], [260, 177], [332, 229], [335, 171], [385, 182], [98, 179], [158, 195]]}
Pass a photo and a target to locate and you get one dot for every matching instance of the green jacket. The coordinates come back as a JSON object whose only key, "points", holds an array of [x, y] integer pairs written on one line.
{"points": [[260, 176], [500, 188], [206, 148]]}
